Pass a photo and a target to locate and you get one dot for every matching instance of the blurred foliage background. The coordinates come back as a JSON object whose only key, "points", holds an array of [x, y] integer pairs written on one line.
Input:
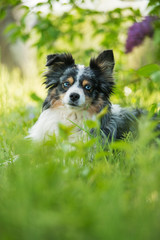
{"points": [[32, 29]]}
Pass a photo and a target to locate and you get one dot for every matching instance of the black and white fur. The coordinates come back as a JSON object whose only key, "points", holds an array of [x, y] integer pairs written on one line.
{"points": [[77, 93]]}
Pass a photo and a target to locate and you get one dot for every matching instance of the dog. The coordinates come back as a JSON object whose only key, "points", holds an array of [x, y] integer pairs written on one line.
{"points": [[77, 93]]}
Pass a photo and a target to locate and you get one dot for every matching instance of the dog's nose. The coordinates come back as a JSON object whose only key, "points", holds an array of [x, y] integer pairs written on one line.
{"points": [[74, 97]]}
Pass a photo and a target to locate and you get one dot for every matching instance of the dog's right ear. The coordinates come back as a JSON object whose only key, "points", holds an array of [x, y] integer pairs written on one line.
{"points": [[60, 60]]}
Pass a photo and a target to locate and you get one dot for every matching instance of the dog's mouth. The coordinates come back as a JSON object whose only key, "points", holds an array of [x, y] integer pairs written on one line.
{"points": [[74, 105]]}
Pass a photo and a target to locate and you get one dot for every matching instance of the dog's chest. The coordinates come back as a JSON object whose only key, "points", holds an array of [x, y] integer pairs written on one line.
{"points": [[66, 116], [49, 120]]}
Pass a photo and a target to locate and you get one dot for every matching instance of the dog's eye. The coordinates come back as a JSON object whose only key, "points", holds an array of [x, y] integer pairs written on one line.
{"points": [[88, 87], [66, 84]]}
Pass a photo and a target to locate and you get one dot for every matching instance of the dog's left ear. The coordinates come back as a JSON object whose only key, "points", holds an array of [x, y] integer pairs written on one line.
{"points": [[104, 62]]}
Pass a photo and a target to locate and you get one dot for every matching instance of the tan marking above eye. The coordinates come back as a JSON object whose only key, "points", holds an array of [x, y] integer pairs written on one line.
{"points": [[85, 82], [70, 80]]}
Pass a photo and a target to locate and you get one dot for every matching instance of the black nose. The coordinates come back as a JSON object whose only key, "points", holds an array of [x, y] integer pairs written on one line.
{"points": [[74, 97]]}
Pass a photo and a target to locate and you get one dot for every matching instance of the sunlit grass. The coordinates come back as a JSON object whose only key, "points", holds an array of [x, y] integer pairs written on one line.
{"points": [[82, 190]]}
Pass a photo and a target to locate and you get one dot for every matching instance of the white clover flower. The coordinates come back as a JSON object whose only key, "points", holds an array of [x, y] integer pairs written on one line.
{"points": [[127, 91]]}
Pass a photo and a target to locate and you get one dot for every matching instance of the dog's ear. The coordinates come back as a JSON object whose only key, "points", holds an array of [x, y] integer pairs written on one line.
{"points": [[103, 67], [104, 62], [57, 63], [60, 60]]}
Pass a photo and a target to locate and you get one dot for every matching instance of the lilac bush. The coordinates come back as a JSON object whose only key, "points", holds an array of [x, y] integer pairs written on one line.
{"points": [[138, 31]]}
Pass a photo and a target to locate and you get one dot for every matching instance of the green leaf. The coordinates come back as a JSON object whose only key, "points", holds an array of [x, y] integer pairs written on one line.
{"points": [[11, 26], [153, 108], [91, 124], [101, 155], [65, 131], [147, 70], [156, 76], [120, 145], [2, 14], [35, 97]]}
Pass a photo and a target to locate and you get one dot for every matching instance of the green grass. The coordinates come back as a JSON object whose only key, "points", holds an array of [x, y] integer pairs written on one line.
{"points": [[58, 190]]}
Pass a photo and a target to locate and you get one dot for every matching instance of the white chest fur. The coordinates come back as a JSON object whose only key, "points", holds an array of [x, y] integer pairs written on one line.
{"points": [[48, 122]]}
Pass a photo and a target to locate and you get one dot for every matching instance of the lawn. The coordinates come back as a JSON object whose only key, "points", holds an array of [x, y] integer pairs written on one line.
{"points": [[58, 190]]}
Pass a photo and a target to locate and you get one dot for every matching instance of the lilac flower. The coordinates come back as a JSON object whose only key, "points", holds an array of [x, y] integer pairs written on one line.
{"points": [[138, 31]]}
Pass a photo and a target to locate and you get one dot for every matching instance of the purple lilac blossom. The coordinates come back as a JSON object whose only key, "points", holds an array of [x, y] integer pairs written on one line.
{"points": [[138, 31]]}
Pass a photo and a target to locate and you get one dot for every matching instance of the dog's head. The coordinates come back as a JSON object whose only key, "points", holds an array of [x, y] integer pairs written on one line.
{"points": [[77, 86]]}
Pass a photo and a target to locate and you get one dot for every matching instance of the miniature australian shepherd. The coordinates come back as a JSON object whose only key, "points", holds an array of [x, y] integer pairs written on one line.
{"points": [[77, 93]]}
